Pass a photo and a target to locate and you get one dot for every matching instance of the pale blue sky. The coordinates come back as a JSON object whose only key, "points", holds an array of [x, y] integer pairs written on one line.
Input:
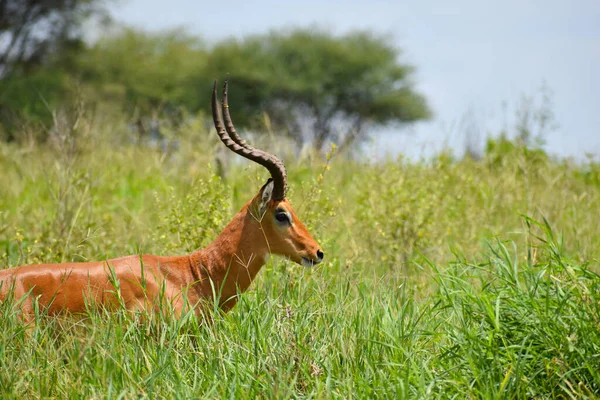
{"points": [[471, 56]]}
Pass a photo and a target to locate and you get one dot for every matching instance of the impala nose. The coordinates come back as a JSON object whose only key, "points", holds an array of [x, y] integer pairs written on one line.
{"points": [[320, 255]]}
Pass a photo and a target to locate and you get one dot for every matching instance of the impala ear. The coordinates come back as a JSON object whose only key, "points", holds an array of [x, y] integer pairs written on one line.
{"points": [[266, 192]]}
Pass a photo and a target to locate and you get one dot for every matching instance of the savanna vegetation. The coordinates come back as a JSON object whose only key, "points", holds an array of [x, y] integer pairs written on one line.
{"points": [[472, 276], [443, 278]]}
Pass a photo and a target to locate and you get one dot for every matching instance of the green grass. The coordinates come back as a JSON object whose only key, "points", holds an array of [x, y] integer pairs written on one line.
{"points": [[443, 279]]}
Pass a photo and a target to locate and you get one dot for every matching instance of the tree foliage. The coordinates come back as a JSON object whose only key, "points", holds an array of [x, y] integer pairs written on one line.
{"points": [[150, 72], [317, 86], [39, 40], [309, 84], [32, 30]]}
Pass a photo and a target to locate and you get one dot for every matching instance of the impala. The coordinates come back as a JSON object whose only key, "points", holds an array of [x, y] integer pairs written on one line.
{"points": [[267, 224]]}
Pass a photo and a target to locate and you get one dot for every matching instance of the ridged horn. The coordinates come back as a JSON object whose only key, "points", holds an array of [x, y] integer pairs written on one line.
{"points": [[235, 143]]}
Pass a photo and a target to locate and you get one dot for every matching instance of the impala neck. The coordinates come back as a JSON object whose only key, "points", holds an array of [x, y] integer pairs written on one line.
{"points": [[232, 260]]}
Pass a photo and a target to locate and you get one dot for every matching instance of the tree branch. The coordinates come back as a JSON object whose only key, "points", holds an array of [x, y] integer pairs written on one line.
{"points": [[16, 36]]}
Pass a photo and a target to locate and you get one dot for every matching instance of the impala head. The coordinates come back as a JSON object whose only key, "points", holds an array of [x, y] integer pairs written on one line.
{"points": [[286, 235]]}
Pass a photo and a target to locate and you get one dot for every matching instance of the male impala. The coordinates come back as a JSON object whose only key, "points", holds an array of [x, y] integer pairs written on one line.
{"points": [[266, 225]]}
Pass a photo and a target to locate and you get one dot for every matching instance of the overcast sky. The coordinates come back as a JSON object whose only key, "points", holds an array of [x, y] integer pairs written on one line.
{"points": [[472, 57]]}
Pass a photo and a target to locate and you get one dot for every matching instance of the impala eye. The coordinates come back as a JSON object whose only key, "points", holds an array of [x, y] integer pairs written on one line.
{"points": [[282, 217]]}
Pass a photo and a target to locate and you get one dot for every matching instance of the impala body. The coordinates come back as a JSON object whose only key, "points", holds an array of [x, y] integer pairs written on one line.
{"points": [[267, 224]]}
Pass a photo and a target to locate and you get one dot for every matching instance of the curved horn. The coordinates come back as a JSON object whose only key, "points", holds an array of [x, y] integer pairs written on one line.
{"points": [[231, 139]]}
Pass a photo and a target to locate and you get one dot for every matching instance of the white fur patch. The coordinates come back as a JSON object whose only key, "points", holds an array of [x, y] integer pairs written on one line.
{"points": [[308, 263]]}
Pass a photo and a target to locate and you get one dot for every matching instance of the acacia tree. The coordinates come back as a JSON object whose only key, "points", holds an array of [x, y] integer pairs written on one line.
{"points": [[318, 87]]}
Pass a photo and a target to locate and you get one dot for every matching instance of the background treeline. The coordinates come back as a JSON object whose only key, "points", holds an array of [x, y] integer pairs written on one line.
{"points": [[308, 84]]}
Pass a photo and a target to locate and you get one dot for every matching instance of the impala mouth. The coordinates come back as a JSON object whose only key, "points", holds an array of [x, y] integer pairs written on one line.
{"points": [[307, 262]]}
